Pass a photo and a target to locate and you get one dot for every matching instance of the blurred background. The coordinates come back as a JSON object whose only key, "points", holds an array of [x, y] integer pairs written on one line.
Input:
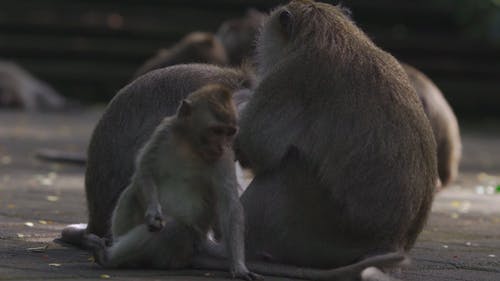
{"points": [[87, 50]]}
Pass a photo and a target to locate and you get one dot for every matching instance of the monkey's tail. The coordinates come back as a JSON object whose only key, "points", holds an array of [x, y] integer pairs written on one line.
{"points": [[75, 235], [365, 269], [53, 155]]}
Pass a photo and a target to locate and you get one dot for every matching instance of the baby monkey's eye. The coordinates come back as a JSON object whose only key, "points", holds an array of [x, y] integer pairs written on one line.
{"points": [[227, 131], [218, 131], [231, 131]]}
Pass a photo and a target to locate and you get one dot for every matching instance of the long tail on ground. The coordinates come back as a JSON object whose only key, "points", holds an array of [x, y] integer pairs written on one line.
{"points": [[53, 155], [364, 269]]}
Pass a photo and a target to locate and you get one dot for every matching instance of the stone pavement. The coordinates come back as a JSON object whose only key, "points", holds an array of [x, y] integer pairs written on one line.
{"points": [[461, 240]]}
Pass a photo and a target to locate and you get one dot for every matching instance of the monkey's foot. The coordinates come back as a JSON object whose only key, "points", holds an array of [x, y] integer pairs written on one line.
{"points": [[98, 248], [154, 219]]}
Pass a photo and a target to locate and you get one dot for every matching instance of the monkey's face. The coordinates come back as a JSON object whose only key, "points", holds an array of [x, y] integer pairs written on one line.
{"points": [[215, 140], [217, 129], [209, 115]]}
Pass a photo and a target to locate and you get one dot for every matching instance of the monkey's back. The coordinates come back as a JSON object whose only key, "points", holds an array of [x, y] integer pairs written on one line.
{"points": [[128, 122]]}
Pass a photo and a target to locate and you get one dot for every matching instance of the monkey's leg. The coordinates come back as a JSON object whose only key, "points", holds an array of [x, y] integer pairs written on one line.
{"points": [[129, 248], [126, 215], [170, 248], [291, 218], [447, 160]]}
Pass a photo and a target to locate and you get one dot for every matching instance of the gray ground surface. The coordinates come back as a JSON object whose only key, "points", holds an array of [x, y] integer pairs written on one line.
{"points": [[460, 242]]}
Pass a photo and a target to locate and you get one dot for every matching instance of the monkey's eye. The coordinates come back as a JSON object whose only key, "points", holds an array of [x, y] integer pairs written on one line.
{"points": [[218, 131], [231, 131], [221, 131]]}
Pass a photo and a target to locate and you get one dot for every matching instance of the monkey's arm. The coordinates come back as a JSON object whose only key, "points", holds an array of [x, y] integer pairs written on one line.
{"points": [[231, 219], [144, 179], [267, 131], [149, 198]]}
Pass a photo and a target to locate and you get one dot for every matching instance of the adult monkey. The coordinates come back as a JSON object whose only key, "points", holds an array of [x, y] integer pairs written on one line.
{"points": [[343, 153]]}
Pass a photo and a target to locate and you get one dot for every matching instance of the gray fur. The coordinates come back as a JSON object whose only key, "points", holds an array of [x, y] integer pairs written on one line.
{"points": [[339, 142]]}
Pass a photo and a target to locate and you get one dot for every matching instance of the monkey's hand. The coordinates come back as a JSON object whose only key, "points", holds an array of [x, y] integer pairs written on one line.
{"points": [[241, 272], [154, 218], [98, 247]]}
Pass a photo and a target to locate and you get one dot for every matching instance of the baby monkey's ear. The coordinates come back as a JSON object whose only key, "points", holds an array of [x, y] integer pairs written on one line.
{"points": [[185, 109], [225, 94]]}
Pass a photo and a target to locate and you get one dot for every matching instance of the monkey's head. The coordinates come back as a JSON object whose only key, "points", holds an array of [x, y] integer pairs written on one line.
{"points": [[238, 35], [9, 95], [209, 119], [302, 27], [204, 47]]}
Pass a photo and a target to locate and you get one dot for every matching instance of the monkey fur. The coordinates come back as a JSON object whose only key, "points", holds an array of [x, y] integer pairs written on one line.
{"points": [[196, 47], [343, 154], [443, 121]]}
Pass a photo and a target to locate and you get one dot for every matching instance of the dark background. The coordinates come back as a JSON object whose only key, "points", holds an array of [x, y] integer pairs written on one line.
{"points": [[89, 49]]}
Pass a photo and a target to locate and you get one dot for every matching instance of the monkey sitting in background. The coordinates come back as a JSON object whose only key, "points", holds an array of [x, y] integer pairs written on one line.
{"points": [[196, 47], [444, 124], [184, 184], [238, 36], [19, 89]]}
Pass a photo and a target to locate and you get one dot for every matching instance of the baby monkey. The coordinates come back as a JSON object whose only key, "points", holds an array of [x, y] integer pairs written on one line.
{"points": [[184, 184]]}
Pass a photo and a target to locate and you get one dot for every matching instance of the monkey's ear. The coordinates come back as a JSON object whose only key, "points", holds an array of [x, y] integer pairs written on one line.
{"points": [[286, 22], [185, 109], [225, 94], [346, 11]]}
